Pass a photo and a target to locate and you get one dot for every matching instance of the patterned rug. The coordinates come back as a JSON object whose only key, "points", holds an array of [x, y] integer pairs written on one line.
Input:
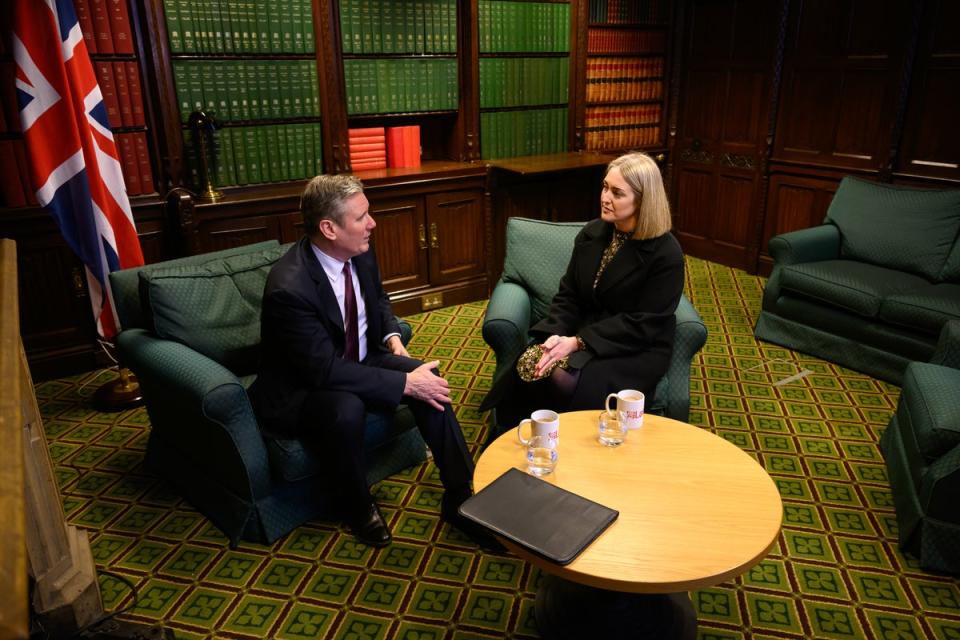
{"points": [[836, 571]]}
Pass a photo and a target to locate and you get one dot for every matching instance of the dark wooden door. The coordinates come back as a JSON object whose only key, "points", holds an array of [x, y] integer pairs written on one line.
{"points": [[401, 242], [454, 223], [727, 54]]}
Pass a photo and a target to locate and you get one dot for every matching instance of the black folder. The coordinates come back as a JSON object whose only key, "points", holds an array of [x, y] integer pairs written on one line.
{"points": [[549, 521]]}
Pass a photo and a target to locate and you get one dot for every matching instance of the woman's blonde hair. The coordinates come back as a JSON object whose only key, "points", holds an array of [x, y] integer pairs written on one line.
{"points": [[643, 176]]}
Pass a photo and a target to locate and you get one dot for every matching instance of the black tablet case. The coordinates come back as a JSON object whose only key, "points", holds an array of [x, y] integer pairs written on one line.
{"points": [[552, 522]]}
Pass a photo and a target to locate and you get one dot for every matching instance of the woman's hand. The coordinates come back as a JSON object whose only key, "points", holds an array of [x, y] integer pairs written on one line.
{"points": [[555, 348]]}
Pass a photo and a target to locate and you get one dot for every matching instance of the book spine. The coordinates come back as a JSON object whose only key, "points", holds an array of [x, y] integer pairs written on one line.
{"points": [[123, 94], [85, 19], [128, 162], [136, 93], [369, 146], [238, 142], [362, 132], [346, 26], [101, 25], [251, 148], [109, 91], [143, 162]]}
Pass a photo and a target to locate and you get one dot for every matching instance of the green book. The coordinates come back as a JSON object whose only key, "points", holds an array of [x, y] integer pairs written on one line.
{"points": [[208, 87], [297, 89], [284, 81], [313, 85], [199, 27], [260, 26], [171, 10], [182, 83], [228, 169], [286, 25], [195, 84], [222, 88], [410, 26], [228, 14], [299, 17], [241, 90], [274, 162], [251, 148], [275, 24], [239, 154], [188, 36], [216, 26], [368, 27], [387, 26], [317, 149], [273, 87], [350, 85], [346, 36], [419, 13], [303, 148], [483, 20], [356, 25]]}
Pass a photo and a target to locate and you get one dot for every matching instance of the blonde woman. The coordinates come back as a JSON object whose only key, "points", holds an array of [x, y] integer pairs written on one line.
{"points": [[611, 325]]}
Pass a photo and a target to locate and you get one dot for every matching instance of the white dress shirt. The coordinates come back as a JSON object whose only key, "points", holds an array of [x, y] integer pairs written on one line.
{"points": [[334, 270]]}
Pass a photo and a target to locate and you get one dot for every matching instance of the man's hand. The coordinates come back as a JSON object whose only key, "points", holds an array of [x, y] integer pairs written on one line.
{"points": [[396, 346], [554, 348], [423, 384]]}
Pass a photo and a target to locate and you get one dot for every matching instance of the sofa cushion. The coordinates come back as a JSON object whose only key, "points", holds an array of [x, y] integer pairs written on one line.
{"points": [[213, 307], [536, 258], [951, 268], [924, 309], [898, 227], [856, 286], [932, 413]]}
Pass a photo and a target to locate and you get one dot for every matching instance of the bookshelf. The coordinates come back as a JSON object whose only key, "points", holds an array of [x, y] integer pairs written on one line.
{"points": [[401, 67], [625, 75], [252, 67], [524, 72]]}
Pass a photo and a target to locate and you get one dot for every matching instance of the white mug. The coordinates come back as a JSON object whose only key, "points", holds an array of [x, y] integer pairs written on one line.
{"points": [[629, 406], [543, 422]]}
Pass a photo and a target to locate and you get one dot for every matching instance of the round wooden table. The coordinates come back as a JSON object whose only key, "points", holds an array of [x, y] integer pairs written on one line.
{"points": [[695, 511]]}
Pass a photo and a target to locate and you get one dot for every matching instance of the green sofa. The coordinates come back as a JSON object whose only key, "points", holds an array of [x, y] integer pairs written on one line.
{"points": [[872, 288], [921, 447], [191, 334], [537, 253]]}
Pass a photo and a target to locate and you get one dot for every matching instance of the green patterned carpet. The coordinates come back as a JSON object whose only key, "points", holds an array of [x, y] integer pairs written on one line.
{"points": [[836, 571]]}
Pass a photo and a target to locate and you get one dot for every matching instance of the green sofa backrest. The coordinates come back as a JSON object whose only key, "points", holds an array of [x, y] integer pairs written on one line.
{"points": [[210, 302], [536, 258], [903, 228]]}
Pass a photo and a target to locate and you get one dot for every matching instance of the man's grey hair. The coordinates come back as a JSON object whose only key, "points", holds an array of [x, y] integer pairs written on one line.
{"points": [[323, 198]]}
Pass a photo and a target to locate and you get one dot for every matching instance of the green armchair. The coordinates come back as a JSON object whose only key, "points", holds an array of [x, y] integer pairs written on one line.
{"points": [[191, 334], [921, 446], [537, 254]]}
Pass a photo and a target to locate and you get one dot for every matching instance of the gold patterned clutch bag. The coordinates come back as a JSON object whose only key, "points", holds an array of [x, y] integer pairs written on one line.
{"points": [[527, 364]]}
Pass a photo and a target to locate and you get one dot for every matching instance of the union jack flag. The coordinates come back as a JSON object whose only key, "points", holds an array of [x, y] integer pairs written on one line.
{"points": [[72, 156]]}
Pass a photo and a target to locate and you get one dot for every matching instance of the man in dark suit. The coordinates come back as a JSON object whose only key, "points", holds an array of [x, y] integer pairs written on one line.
{"points": [[331, 349]]}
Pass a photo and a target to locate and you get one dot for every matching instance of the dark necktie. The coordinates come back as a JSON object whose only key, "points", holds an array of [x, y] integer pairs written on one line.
{"points": [[351, 349]]}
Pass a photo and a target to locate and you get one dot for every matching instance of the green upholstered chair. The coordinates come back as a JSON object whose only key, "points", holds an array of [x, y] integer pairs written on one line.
{"points": [[921, 446], [872, 287], [191, 333], [537, 254]]}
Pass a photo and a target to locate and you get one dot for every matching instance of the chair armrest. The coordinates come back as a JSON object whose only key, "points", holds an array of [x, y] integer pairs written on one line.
{"points": [[690, 337], [507, 321], [201, 408], [947, 352], [940, 487], [806, 245]]}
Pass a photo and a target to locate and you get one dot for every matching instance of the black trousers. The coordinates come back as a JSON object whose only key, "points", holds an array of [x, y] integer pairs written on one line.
{"points": [[335, 421]]}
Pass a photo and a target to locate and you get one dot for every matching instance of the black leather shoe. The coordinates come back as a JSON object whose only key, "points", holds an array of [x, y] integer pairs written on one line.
{"points": [[370, 528], [480, 535]]}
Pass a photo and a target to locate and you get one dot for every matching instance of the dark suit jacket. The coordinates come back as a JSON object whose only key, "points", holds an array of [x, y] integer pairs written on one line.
{"points": [[302, 340], [627, 323]]}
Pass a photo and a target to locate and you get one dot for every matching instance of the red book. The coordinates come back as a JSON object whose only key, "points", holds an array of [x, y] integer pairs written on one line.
{"points": [[123, 94], [128, 160], [109, 91], [403, 146], [86, 24], [368, 140], [368, 165], [368, 146], [367, 155], [365, 131], [120, 26], [24, 170], [101, 25], [143, 162], [136, 93], [11, 186]]}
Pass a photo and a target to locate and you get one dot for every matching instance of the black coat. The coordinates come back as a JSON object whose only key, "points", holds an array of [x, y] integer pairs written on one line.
{"points": [[302, 340], [627, 323]]}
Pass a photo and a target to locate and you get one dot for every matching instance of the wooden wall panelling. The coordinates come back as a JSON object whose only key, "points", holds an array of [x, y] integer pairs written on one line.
{"points": [[720, 137], [841, 72], [931, 141], [794, 202]]}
